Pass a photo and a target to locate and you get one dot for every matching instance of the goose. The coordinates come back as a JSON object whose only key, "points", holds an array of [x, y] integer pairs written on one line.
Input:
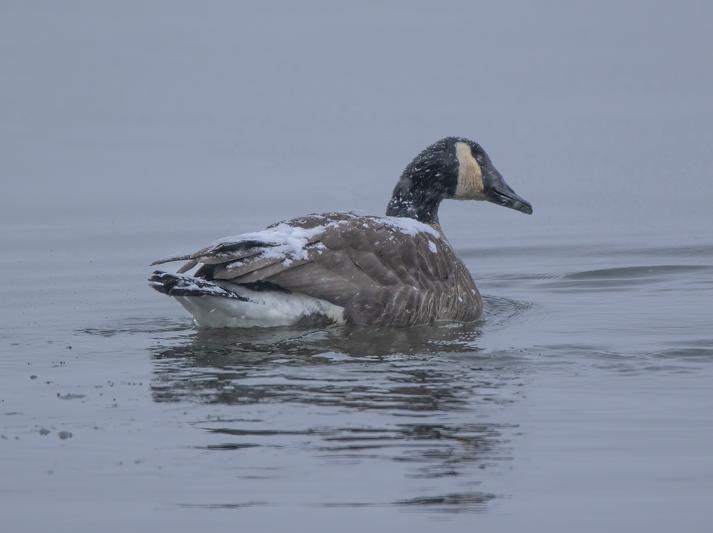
{"points": [[346, 268]]}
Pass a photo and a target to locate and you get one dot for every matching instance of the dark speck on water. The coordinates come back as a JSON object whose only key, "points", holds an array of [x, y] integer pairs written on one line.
{"points": [[70, 396], [582, 401]]}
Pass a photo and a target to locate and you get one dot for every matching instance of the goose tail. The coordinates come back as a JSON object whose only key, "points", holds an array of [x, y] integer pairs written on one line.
{"points": [[182, 285], [228, 305]]}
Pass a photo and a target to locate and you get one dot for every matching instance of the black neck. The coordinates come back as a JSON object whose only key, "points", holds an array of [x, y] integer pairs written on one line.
{"points": [[421, 205], [427, 180]]}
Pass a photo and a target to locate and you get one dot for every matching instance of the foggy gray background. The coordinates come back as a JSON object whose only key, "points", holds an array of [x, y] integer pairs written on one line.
{"points": [[599, 113]]}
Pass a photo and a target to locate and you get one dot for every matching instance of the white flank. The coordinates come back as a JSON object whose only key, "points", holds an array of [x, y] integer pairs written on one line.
{"points": [[265, 309], [432, 247]]}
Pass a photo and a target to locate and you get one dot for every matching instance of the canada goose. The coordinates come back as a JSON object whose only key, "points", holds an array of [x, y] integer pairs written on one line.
{"points": [[345, 268]]}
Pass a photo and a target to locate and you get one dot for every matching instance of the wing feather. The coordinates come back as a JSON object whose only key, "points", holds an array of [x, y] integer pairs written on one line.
{"points": [[371, 266]]}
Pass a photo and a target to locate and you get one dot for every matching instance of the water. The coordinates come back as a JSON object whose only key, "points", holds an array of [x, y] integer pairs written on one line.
{"points": [[581, 401], [583, 396]]}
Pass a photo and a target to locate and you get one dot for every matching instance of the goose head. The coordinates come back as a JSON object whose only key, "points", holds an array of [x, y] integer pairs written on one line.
{"points": [[452, 168]]}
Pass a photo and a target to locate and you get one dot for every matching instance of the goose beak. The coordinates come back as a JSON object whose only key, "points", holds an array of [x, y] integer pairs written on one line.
{"points": [[499, 192]]}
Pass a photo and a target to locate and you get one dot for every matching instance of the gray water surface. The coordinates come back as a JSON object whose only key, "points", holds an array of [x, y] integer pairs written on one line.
{"points": [[582, 397], [582, 401]]}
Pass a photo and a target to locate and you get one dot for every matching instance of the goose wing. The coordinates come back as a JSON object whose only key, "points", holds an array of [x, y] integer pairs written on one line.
{"points": [[371, 266]]}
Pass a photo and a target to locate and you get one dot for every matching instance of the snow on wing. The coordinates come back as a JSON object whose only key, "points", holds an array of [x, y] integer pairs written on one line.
{"points": [[371, 266]]}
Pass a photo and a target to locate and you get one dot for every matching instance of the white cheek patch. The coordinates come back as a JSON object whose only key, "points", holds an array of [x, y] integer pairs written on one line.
{"points": [[470, 176]]}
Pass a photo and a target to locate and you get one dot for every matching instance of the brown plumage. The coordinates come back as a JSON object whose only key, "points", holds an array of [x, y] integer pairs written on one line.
{"points": [[369, 266]]}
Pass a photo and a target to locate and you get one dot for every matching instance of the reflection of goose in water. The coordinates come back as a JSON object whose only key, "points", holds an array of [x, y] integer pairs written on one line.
{"points": [[326, 353], [420, 399], [398, 270], [238, 353]]}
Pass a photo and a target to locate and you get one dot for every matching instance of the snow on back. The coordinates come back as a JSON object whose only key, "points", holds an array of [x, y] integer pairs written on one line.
{"points": [[432, 247], [283, 241], [410, 226], [288, 243]]}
